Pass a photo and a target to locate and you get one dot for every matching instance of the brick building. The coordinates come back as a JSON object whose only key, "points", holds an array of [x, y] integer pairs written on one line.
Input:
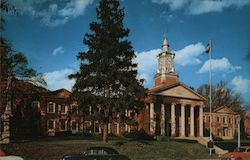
{"points": [[56, 113], [224, 122]]}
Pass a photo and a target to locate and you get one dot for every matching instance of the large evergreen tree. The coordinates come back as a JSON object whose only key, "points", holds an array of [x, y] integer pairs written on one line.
{"points": [[107, 80]]}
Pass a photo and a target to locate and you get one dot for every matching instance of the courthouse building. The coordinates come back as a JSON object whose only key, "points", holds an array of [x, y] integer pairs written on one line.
{"points": [[172, 108]]}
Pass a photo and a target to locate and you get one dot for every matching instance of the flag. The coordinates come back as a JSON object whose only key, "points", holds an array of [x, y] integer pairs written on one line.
{"points": [[208, 48]]}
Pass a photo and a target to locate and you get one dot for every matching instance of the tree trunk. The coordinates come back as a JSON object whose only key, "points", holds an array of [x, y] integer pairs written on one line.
{"points": [[105, 132]]}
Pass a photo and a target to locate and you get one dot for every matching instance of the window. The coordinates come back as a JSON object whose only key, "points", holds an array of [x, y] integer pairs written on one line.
{"points": [[63, 108], [51, 124], [97, 127], [73, 108], [127, 128], [73, 126], [36, 104], [63, 126], [223, 120], [90, 110], [51, 107], [218, 119], [116, 128], [229, 120]]}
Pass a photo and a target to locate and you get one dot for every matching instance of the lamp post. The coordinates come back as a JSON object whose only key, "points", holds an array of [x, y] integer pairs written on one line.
{"points": [[238, 121]]}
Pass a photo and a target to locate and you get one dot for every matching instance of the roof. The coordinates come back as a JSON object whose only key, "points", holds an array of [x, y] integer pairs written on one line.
{"points": [[179, 88], [222, 109], [29, 88], [61, 93]]}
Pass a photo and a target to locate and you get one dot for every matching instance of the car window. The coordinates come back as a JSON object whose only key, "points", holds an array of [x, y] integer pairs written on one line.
{"points": [[96, 151], [248, 150], [111, 151], [242, 149]]}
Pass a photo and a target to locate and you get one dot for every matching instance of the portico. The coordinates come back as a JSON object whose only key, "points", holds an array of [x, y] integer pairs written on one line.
{"points": [[174, 109], [176, 116]]}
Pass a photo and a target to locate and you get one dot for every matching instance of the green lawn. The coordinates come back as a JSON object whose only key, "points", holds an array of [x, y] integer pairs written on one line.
{"points": [[49, 149]]}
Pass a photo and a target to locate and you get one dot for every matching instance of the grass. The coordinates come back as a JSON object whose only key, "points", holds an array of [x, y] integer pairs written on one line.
{"points": [[50, 149]]}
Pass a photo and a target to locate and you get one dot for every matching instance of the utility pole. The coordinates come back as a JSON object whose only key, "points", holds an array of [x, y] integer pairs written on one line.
{"points": [[208, 50], [238, 120]]}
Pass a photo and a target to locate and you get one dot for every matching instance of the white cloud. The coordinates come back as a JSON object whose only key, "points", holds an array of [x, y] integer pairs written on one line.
{"points": [[75, 8], [199, 7], [189, 54], [196, 7], [59, 79], [147, 64], [173, 4], [218, 65], [58, 50], [241, 85], [50, 13]]}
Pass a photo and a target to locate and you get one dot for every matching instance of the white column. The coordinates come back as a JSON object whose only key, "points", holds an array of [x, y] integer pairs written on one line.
{"points": [[192, 121], [201, 121], [109, 128], [152, 118], [118, 128], [173, 125], [182, 120], [162, 119]]}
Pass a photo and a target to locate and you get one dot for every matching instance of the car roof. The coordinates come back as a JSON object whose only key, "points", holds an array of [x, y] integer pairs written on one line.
{"points": [[246, 147], [103, 148], [99, 147]]}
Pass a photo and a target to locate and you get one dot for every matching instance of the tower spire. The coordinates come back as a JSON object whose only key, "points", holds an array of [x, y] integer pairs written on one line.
{"points": [[165, 73], [165, 45]]}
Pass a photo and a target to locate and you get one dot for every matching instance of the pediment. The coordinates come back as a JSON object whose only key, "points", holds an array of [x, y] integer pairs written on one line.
{"points": [[180, 91], [225, 110], [62, 93]]}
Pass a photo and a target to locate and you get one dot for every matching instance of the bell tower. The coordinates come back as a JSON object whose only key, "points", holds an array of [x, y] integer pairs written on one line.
{"points": [[166, 74]]}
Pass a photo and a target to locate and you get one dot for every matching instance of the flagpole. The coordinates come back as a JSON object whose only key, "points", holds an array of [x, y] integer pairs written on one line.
{"points": [[210, 93]]}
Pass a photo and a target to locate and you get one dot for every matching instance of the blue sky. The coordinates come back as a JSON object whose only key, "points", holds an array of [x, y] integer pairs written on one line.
{"points": [[50, 34]]}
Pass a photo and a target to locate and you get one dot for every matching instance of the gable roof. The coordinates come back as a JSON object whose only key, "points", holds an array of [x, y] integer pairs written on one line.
{"points": [[224, 109], [179, 90], [61, 93]]}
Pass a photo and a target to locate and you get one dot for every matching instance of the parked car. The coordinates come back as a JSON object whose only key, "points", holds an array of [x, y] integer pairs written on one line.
{"points": [[242, 153], [4, 156], [97, 153]]}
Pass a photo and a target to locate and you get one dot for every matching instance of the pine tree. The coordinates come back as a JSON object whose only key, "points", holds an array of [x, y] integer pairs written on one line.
{"points": [[107, 80]]}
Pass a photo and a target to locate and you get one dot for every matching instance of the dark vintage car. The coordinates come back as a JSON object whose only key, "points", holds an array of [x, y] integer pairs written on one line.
{"points": [[97, 153]]}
